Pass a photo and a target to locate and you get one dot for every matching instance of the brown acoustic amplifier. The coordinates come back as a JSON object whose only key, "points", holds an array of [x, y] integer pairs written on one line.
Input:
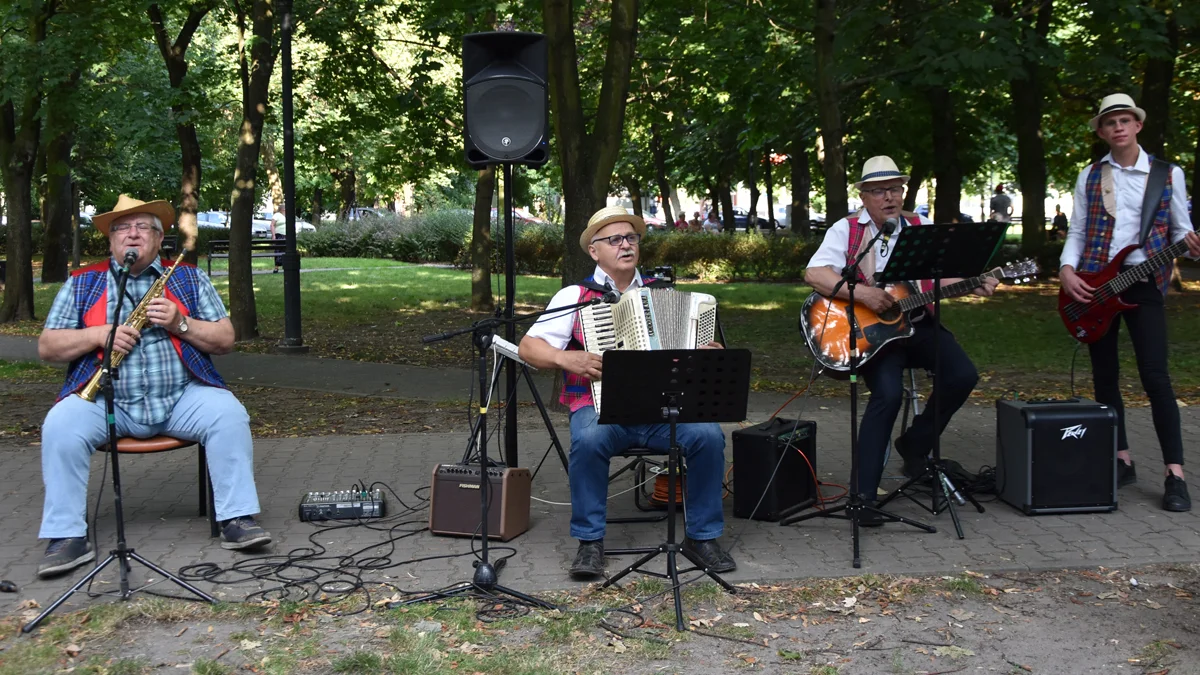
{"points": [[454, 501], [825, 322]]}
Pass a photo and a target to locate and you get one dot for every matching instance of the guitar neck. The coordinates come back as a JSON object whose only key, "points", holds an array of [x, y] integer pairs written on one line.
{"points": [[949, 291], [1142, 270]]}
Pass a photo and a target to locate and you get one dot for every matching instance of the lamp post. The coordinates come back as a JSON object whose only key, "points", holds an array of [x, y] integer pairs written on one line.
{"points": [[292, 342]]}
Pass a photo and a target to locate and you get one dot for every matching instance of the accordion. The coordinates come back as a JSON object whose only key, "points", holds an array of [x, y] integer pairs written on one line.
{"points": [[648, 318]]}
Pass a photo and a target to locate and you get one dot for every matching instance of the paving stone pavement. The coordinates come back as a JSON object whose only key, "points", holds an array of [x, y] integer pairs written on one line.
{"points": [[162, 524]]}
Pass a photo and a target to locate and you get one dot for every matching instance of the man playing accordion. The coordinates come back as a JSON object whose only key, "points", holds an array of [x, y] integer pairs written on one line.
{"points": [[556, 341]]}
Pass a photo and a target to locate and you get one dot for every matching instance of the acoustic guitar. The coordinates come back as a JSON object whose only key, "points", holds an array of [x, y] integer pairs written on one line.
{"points": [[1090, 321], [825, 322]]}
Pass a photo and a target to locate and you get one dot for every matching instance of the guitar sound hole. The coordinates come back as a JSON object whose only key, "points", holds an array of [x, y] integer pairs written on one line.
{"points": [[891, 314]]}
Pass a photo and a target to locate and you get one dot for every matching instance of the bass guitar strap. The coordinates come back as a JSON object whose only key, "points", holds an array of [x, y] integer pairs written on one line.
{"points": [[1156, 182]]}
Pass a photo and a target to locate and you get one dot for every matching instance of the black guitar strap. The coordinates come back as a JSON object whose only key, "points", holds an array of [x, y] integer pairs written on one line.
{"points": [[1156, 182]]}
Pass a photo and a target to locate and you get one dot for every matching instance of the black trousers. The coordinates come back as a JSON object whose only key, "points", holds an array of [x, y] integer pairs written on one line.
{"points": [[1148, 330], [884, 375]]}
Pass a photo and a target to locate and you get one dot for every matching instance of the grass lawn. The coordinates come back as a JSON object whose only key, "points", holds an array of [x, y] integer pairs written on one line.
{"points": [[379, 312]]}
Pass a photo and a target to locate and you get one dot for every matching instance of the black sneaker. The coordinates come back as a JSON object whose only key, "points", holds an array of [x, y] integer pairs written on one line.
{"points": [[589, 560], [715, 559], [242, 533], [64, 555], [869, 518], [1175, 495], [914, 462], [1126, 473]]}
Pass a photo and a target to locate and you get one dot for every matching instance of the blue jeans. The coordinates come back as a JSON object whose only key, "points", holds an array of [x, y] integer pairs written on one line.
{"points": [[74, 429], [594, 444]]}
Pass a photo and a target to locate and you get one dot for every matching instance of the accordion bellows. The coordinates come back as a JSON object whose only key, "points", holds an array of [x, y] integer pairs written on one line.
{"points": [[646, 319]]}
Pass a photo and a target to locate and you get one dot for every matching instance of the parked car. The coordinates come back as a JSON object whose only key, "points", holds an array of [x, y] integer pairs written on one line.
{"points": [[923, 209], [212, 219]]}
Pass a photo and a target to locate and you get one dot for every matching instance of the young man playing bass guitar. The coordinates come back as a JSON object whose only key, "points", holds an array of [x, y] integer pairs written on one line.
{"points": [[882, 190], [1109, 196]]}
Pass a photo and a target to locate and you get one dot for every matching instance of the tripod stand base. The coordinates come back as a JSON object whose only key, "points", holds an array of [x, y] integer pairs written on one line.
{"points": [[672, 550], [944, 495], [468, 587], [854, 511], [123, 557]]}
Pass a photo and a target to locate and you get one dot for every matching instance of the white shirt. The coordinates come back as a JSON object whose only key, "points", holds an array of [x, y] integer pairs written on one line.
{"points": [[832, 252], [556, 327], [1129, 184]]}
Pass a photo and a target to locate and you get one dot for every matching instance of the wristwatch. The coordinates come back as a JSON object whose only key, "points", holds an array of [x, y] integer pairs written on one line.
{"points": [[183, 327]]}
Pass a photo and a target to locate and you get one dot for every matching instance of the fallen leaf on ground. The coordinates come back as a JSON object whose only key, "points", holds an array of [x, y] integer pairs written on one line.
{"points": [[72, 650], [953, 652], [962, 614], [759, 617], [249, 644]]}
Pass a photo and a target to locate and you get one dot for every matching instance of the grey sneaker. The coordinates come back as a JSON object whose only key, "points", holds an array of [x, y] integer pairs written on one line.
{"points": [[64, 555], [589, 560], [242, 533]]}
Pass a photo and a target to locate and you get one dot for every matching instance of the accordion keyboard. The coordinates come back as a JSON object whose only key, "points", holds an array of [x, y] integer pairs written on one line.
{"points": [[599, 335]]}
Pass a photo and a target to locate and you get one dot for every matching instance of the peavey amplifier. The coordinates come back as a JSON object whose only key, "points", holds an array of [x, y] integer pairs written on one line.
{"points": [[1056, 456], [454, 501], [757, 450]]}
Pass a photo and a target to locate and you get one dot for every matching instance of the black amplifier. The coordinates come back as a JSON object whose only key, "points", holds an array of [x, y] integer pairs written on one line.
{"points": [[1056, 456], [757, 450], [342, 505]]}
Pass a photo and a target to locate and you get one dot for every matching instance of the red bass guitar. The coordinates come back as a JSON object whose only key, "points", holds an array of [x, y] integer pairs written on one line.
{"points": [[1090, 321]]}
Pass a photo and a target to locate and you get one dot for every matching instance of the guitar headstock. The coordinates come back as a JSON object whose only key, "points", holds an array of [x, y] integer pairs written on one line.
{"points": [[1018, 272]]}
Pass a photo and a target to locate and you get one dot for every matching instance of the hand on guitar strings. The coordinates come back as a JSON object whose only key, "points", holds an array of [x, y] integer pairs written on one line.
{"points": [[988, 288], [876, 299], [1076, 288]]}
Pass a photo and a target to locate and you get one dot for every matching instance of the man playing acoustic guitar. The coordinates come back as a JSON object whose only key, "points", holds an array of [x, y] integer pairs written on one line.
{"points": [[882, 192], [1109, 195]]}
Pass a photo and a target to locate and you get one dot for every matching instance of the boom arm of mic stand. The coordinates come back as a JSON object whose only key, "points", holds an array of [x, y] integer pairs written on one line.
{"points": [[851, 269]]}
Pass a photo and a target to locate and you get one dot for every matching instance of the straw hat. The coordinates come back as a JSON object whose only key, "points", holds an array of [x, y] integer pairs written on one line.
{"points": [[127, 205], [878, 169], [1114, 103], [606, 216]]}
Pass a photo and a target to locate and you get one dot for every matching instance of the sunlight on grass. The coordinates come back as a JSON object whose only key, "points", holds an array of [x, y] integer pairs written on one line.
{"points": [[349, 287]]}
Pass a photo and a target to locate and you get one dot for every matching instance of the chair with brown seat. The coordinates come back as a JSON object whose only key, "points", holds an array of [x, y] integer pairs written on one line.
{"points": [[138, 446]]}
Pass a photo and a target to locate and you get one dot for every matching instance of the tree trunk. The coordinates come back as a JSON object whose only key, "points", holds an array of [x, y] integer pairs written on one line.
{"points": [[587, 157], [947, 170], [660, 176], [76, 244], [916, 177], [481, 242], [345, 179], [1156, 93], [175, 57], [799, 220], [256, 64], [752, 179], [318, 206], [1026, 94], [726, 197], [635, 194], [56, 235], [837, 201]]}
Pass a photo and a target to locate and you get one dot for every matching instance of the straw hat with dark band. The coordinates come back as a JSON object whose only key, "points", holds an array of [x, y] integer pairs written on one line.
{"points": [[607, 216], [1116, 103], [878, 169], [127, 205]]}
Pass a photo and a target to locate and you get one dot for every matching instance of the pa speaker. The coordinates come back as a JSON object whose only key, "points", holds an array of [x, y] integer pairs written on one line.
{"points": [[506, 107], [1056, 456]]}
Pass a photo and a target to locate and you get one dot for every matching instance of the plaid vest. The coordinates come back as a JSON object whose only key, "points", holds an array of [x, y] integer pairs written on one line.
{"points": [[91, 303], [1099, 223], [858, 231], [577, 389]]}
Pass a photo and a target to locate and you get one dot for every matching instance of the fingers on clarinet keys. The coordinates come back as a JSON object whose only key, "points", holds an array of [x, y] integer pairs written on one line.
{"points": [[589, 560], [64, 555]]}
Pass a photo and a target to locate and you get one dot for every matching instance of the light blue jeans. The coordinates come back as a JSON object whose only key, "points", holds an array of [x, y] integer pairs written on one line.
{"points": [[74, 429], [594, 444]]}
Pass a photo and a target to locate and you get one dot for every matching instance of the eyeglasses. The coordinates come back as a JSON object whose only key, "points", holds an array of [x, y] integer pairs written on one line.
{"points": [[142, 227], [632, 239], [895, 191]]}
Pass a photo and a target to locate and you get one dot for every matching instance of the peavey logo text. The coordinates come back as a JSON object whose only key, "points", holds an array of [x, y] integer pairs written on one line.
{"points": [[1076, 431]]}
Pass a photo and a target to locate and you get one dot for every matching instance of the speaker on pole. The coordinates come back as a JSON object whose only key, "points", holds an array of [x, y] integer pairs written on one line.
{"points": [[506, 107]]}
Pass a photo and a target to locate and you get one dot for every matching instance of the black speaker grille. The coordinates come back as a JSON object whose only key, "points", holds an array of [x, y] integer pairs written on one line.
{"points": [[506, 118]]}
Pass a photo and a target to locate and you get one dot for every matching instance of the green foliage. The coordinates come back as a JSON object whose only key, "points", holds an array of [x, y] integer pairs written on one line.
{"points": [[717, 257], [439, 236]]}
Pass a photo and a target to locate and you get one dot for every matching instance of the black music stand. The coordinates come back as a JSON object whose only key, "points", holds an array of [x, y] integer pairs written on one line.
{"points": [[673, 386], [936, 252]]}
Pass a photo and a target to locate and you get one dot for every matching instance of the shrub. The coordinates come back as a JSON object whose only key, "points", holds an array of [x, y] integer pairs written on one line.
{"points": [[723, 257]]}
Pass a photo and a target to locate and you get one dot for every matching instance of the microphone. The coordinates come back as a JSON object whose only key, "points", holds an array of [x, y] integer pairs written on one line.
{"points": [[131, 256], [612, 296], [888, 227]]}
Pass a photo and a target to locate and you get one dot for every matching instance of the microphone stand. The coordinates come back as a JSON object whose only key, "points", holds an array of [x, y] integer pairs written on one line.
{"points": [[123, 554], [855, 507], [486, 577]]}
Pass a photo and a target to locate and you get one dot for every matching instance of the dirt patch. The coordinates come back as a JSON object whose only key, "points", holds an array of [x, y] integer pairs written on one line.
{"points": [[276, 413], [1085, 621]]}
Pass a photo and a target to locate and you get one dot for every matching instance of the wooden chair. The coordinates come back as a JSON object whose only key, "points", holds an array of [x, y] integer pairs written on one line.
{"points": [[142, 446]]}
